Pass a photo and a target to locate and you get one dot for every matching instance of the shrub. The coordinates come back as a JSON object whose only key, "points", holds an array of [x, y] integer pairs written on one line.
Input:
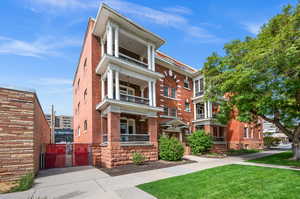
{"points": [[270, 141], [24, 183], [138, 158], [200, 142], [170, 149]]}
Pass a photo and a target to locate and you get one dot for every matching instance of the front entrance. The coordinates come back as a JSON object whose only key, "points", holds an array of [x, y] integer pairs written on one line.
{"points": [[66, 155]]}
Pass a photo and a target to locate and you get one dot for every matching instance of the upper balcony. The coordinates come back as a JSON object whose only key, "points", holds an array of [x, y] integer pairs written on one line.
{"points": [[198, 87], [125, 44]]}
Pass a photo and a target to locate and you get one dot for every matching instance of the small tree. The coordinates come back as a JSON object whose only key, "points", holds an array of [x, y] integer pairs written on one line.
{"points": [[170, 149], [200, 142]]}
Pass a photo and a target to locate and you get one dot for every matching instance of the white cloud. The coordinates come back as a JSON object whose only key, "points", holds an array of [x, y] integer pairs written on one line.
{"points": [[253, 28], [168, 17], [41, 47], [179, 10]]}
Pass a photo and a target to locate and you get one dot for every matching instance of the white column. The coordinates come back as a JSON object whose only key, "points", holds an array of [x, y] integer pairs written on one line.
{"points": [[149, 56], [110, 86], [150, 93], [205, 110], [102, 48], [153, 57], [154, 93], [102, 89], [195, 112], [109, 39], [117, 85], [117, 41], [194, 87], [142, 92], [180, 137], [209, 107]]}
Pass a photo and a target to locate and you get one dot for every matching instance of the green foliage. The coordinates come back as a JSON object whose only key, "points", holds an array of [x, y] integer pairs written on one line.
{"points": [[270, 141], [170, 149], [138, 158], [242, 151], [24, 183], [200, 142], [260, 76]]}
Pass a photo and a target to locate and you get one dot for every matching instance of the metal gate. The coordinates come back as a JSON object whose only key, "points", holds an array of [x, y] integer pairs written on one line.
{"points": [[66, 155]]}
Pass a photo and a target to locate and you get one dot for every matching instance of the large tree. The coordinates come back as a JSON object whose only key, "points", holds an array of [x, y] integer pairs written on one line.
{"points": [[261, 76]]}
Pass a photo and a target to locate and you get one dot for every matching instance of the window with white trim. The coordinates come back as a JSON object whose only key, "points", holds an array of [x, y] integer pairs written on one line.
{"points": [[166, 91], [246, 132], [186, 83], [173, 112], [127, 126], [187, 107], [173, 92]]}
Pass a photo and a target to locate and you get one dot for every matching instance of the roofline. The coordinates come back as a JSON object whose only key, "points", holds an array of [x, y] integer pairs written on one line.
{"points": [[195, 70], [105, 6], [82, 47]]}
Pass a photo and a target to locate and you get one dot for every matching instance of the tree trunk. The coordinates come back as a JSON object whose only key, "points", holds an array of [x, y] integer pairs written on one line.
{"points": [[296, 149]]}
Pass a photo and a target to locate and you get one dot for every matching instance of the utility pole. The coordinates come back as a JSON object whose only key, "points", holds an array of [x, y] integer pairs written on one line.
{"points": [[52, 124]]}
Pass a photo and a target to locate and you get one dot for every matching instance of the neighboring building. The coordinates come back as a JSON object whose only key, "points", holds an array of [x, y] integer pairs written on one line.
{"points": [[61, 121], [24, 131], [63, 136], [270, 129], [126, 94]]}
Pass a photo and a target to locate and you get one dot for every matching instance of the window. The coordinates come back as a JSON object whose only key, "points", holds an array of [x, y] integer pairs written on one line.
{"points": [[187, 107], [85, 125], [85, 94], [78, 106], [197, 86], [186, 83], [166, 111], [173, 92], [246, 132], [166, 91], [199, 111], [127, 126], [78, 132], [125, 90], [201, 84], [173, 112], [78, 83]]}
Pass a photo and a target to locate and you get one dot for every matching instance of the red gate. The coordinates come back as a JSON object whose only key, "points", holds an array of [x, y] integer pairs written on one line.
{"points": [[64, 155]]}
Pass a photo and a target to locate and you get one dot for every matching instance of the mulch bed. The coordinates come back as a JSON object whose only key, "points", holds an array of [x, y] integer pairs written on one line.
{"points": [[132, 168]]}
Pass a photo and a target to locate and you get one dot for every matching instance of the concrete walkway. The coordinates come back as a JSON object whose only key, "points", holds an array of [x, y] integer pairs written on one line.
{"points": [[88, 182]]}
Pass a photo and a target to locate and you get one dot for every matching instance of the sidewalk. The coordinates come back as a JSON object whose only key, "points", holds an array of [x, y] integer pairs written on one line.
{"points": [[90, 183]]}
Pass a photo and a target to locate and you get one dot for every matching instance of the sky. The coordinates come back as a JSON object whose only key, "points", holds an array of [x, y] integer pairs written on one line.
{"points": [[40, 40]]}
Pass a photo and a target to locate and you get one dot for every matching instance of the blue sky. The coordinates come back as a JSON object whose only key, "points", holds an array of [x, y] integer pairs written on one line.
{"points": [[40, 40]]}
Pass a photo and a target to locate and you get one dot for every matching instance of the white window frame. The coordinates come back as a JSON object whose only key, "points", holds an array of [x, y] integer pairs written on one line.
{"points": [[128, 88], [188, 82], [189, 107], [127, 126]]}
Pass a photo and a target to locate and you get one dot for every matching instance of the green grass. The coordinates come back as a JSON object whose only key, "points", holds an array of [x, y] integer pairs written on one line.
{"points": [[242, 151], [278, 159], [229, 182], [24, 183]]}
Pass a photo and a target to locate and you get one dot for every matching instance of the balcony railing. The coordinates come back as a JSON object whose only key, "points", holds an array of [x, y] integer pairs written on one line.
{"points": [[219, 139], [199, 93], [132, 60], [200, 116], [134, 138], [134, 99]]}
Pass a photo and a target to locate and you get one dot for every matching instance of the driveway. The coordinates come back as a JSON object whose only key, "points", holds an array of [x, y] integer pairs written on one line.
{"points": [[91, 183]]}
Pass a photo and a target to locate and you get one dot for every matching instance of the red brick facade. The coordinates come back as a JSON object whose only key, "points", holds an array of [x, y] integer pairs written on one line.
{"points": [[23, 132], [93, 125]]}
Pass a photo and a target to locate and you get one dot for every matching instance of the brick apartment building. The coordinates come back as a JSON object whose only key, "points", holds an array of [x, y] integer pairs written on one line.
{"points": [[24, 131], [126, 93], [61, 121]]}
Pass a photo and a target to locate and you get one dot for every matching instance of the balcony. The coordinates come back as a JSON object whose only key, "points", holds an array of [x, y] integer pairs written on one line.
{"points": [[133, 60], [134, 99], [134, 138], [200, 116], [199, 93]]}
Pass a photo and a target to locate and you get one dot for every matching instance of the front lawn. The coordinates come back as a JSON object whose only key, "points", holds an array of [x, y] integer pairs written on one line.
{"points": [[230, 181], [278, 159]]}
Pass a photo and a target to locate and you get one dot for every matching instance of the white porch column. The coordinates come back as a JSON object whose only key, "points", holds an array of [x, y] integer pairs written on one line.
{"points": [[194, 86], [109, 39], [205, 110], [102, 89], [180, 137], [195, 112], [154, 93], [152, 57], [110, 86], [102, 47], [150, 93], [117, 85], [149, 59], [209, 107], [117, 41]]}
